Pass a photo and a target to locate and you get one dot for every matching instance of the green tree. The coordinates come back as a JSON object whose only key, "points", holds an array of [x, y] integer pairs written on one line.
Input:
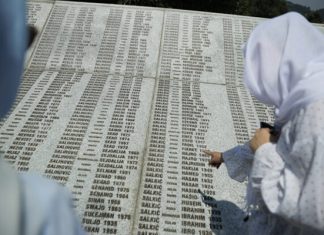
{"points": [[228, 6], [261, 8], [268, 9], [243, 7], [314, 17]]}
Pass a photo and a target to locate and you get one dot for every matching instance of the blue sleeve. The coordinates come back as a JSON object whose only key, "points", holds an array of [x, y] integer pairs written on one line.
{"points": [[238, 161], [47, 208]]}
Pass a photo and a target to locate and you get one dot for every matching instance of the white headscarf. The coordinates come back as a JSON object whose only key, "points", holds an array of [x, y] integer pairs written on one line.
{"points": [[284, 64]]}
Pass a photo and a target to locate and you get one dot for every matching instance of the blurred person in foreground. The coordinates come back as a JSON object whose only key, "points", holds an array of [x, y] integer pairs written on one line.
{"points": [[284, 67], [29, 204]]}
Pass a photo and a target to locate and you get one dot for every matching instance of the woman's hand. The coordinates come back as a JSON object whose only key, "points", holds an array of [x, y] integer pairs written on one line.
{"points": [[261, 136], [216, 158]]}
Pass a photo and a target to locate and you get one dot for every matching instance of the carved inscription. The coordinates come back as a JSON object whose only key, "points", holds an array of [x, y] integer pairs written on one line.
{"points": [[117, 104]]}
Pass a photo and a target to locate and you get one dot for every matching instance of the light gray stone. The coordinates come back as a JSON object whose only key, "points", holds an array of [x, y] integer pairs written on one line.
{"points": [[100, 38], [192, 47], [88, 132], [196, 116], [118, 102], [37, 14]]}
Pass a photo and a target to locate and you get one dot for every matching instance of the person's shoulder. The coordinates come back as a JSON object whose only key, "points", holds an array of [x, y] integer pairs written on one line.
{"points": [[316, 107], [42, 187], [313, 113], [309, 121], [46, 203]]}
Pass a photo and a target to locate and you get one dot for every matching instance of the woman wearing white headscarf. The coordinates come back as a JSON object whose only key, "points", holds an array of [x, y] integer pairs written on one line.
{"points": [[284, 67]]}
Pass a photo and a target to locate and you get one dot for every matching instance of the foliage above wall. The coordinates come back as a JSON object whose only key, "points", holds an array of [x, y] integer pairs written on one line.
{"points": [[259, 8]]}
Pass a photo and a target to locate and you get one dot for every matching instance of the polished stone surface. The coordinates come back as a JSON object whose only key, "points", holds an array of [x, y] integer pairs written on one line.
{"points": [[118, 102]]}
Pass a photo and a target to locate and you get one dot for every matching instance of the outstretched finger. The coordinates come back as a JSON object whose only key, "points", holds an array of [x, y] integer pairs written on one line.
{"points": [[208, 152]]}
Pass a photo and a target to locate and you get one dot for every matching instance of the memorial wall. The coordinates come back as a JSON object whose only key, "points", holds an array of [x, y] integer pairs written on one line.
{"points": [[117, 104]]}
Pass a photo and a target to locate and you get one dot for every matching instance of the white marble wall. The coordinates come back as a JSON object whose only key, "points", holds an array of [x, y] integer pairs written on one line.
{"points": [[117, 104]]}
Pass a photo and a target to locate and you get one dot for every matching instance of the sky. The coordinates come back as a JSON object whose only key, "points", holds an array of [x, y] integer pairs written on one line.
{"points": [[313, 4]]}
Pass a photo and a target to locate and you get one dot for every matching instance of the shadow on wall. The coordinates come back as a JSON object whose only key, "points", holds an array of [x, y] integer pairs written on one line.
{"points": [[226, 217]]}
